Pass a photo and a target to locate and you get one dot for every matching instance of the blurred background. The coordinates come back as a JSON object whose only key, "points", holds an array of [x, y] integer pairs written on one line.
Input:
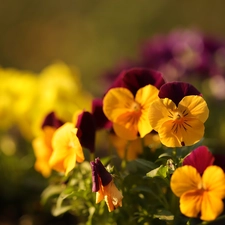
{"points": [[92, 36]]}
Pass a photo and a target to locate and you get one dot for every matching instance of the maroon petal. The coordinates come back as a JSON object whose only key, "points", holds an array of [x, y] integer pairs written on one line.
{"points": [[52, 121], [101, 120], [136, 78], [200, 158], [95, 181], [177, 90], [105, 176], [86, 130]]}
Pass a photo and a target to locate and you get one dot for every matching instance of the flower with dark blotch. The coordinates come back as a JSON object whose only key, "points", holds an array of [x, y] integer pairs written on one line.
{"points": [[126, 104], [104, 186], [179, 114]]}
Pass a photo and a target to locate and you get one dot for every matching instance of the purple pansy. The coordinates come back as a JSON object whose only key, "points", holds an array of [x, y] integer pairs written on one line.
{"points": [[99, 172]]}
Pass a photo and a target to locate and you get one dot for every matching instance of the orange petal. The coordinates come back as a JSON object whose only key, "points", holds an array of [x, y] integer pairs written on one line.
{"points": [[184, 179], [190, 203], [183, 134]]}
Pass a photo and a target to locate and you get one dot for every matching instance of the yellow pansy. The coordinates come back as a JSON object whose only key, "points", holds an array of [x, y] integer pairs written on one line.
{"points": [[129, 113], [66, 149], [199, 195], [179, 123]]}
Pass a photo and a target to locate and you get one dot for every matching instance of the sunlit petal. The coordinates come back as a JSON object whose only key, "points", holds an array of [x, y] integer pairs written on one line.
{"points": [[196, 105], [185, 178], [190, 203], [214, 181], [212, 206], [66, 149], [177, 135], [116, 102], [159, 112]]}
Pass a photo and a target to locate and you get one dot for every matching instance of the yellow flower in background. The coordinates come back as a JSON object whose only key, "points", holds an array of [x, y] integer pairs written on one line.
{"points": [[199, 195], [66, 149], [17, 94], [129, 113], [42, 146], [59, 90], [179, 123], [130, 150]]}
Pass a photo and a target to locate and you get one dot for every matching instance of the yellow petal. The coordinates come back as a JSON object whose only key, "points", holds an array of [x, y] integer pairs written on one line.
{"points": [[196, 105], [125, 133], [113, 196], [211, 206], [213, 180], [66, 149], [185, 178], [176, 135], [145, 96], [159, 112], [190, 203], [116, 102]]}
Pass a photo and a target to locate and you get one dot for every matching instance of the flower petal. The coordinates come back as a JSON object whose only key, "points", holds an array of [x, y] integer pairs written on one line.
{"points": [[211, 207], [136, 78], [184, 179], [190, 203], [196, 105], [159, 112], [200, 158], [214, 181], [145, 96], [116, 102], [183, 135]]}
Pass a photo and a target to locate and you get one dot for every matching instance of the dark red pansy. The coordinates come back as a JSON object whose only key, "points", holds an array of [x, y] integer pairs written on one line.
{"points": [[177, 90], [200, 158], [136, 78], [101, 120], [99, 171], [86, 130], [52, 121]]}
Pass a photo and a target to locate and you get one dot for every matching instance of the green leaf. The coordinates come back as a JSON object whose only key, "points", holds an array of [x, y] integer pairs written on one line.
{"points": [[160, 171], [50, 191]]}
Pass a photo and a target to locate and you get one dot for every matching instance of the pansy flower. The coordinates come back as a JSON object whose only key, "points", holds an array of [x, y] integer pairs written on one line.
{"points": [[104, 186], [200, 185], [126, 104], [42, 145], [179, 114], [67, 149]]}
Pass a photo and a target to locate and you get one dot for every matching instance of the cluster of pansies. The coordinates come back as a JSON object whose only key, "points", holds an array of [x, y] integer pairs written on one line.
{"points": [[150, 123]]}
